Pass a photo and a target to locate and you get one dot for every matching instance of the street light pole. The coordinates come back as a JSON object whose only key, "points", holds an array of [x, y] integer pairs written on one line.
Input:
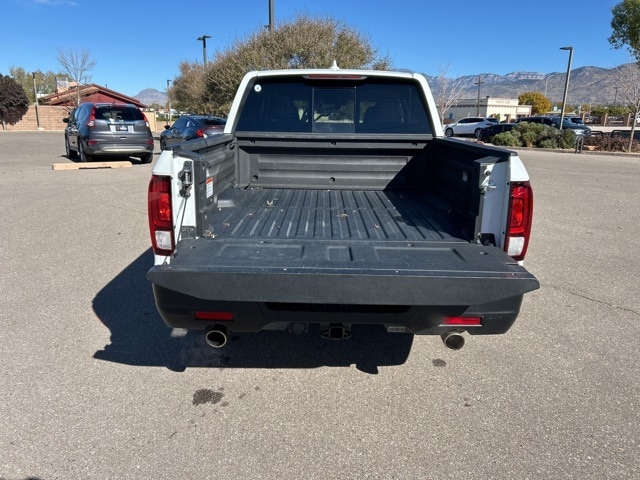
{"points": [[169, 98], [203, 39], [566, 84], [271, 14]]}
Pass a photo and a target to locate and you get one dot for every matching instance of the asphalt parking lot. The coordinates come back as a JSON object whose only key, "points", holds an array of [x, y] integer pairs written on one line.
{"points": [[94, 385]]}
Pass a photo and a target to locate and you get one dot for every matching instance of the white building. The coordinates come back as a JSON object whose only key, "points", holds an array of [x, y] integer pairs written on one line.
{"points": [[505, 109]]}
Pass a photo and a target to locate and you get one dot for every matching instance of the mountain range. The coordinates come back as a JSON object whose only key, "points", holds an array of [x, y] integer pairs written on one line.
{"points": [[587, 85]]}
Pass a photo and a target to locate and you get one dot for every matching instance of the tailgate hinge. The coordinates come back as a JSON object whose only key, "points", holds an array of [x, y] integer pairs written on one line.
{"points": [[186, 177]]}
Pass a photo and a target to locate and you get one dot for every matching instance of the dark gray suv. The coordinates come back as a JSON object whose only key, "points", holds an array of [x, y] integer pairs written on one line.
{"points": [[107, 129], [580, 130]]}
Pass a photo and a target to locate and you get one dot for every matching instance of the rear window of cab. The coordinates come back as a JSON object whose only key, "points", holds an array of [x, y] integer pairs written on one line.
{"points": [[117, 113], [363, 106]]}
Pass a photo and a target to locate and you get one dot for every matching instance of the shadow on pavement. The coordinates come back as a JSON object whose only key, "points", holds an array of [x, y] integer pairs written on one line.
{"points": [[140, 337]]}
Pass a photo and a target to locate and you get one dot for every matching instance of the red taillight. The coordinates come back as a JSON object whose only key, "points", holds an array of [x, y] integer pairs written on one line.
{"points": [[160, 215], [145, 120], [218, 316], [92, 118], [462, 321], [519, 221], [200, 133]]}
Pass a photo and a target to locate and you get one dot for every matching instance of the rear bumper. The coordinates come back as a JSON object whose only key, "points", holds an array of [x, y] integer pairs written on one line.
{"points": [[116, 149], [178, 311], [266, 284]]}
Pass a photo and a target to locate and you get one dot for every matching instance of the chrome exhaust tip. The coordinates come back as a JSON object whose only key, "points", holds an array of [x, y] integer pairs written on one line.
{"points": [[453, 340], [216, 337]]}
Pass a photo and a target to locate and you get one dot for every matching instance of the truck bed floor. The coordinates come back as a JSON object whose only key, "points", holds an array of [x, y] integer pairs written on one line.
{"points": [[333, 214]]}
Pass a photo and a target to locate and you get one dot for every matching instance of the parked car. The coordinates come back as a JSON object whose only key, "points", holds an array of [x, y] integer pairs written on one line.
{"points": [[580, 130], [468, 126], [107, 129], [487, 133], [576, 120], [189, 127]]}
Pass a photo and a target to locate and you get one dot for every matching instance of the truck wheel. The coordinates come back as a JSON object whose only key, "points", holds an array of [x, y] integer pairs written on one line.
{"points": [[449, 132], [70, 153], [146, 158]]}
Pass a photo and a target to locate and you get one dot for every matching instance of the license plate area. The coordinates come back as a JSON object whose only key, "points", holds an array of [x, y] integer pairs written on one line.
{"points": [[120, 128]]}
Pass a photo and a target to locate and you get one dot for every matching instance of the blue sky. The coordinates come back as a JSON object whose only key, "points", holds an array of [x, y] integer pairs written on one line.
{"points": [[139, 44]]}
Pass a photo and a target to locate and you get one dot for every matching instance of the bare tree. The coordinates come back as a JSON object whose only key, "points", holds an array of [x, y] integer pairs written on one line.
{"points": [[77, 65], [629, 93], [446, 91]]}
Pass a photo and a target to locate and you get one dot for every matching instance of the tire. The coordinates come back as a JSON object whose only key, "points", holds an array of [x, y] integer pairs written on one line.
{"points": [[449, 132], [84, 157], [162, 144], [70, 153], [477, 133], [146, 158]]}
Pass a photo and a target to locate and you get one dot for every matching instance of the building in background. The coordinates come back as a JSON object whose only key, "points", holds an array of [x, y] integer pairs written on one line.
{"points": [[504, 109], [67, 95]]}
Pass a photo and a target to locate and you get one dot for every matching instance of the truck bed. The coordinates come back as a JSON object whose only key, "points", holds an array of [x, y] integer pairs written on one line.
{"points": [[263, 244], [264, 214]]}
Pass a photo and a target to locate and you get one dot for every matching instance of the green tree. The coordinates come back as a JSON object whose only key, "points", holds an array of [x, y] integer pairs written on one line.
{"points": [[539, 103], [626, 32], [305, 42], [626, 27], [13, 101], [188, 92], [45, 81]]}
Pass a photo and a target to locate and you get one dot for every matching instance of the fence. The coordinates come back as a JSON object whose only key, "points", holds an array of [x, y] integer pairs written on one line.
{"points": [[50, 119]]}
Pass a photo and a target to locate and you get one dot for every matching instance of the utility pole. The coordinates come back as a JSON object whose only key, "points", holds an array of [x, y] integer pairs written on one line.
{"points": [[203, 39], [479, 82], [35, 93], [566, 84]]}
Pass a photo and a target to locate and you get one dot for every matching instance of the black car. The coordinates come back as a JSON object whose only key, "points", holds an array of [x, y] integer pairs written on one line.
{"points": [[487, 134], [107, 129], [189, 127]]}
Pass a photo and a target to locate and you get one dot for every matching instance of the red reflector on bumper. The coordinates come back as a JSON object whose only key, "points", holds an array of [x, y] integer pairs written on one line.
{"points": [[218, 316], [461, 321]]}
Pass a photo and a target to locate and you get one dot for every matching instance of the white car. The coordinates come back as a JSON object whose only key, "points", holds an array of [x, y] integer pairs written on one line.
{"points": [[468, 126]]}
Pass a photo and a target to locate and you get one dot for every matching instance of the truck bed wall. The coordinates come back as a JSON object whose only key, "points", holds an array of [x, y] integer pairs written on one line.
{"points": [[449, 171]]}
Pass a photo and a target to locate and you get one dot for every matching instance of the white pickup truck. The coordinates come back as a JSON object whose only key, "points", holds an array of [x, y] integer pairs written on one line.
{"points": [[334, 198]]}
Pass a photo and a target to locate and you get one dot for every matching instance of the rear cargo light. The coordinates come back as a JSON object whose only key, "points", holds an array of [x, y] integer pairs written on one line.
{"points": [[335, 76], [461, 321], [92, 118], [519, 221], [160, 215], [218, 316]]}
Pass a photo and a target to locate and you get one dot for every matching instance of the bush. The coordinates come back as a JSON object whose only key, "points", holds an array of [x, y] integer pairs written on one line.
{"points": [[507, 139], [527, 134], [612, 144]]}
